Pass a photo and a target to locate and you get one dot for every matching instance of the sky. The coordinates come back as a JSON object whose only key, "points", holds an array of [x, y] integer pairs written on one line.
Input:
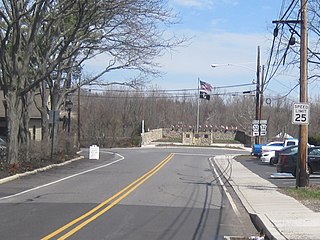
{"points": [[226, 33]]}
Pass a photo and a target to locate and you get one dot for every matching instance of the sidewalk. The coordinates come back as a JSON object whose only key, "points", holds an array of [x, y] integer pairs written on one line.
{"points": [[278, 215]]}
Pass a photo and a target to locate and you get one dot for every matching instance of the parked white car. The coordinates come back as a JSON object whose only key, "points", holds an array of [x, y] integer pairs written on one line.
{"points": [[269, 151], [266, 157]]}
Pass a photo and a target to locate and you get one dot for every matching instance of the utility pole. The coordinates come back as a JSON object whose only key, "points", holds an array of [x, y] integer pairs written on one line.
{"points": [[258, 110], [302, 176], [261, 93]]}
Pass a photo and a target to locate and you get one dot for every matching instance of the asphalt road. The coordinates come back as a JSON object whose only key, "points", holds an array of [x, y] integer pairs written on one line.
{"points": [[269, 172], [128, 194]]}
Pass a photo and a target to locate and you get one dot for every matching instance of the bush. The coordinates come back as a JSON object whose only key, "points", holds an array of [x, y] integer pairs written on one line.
{"points": [[136, 140]]}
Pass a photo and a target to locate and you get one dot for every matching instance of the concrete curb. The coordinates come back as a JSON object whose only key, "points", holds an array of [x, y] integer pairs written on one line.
{"points": [[261, 221], [19, 175], [268, 228], [235, 147]]}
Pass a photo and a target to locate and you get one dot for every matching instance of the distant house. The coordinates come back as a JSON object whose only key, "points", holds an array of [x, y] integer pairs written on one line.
{"points": [[34, 124]]}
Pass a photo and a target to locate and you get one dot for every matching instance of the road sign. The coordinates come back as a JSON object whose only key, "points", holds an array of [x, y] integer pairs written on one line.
{"points": [[255, 129], [300, 113], [259, 128], [263, 127]]}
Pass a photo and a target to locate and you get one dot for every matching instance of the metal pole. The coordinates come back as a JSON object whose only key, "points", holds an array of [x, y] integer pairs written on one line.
{"points": [[198, 108], [142, 132], [302, 177]]}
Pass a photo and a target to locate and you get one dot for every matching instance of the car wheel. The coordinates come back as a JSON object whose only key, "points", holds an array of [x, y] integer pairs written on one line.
{"points": [[272, 161]]}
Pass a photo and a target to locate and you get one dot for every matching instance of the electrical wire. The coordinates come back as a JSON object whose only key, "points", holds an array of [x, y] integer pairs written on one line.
{"points": [[172, 90], [293, 30], [277, 62], [167, 96], [290, 8]]}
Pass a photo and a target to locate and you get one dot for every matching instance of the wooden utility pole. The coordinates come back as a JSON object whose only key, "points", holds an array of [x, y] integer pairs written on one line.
{"points": [[261, 92], [302, 176], [258, 113]]}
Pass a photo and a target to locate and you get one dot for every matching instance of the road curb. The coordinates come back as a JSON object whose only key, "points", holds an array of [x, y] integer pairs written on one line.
{"points": [[262, 222], [19, 175]]}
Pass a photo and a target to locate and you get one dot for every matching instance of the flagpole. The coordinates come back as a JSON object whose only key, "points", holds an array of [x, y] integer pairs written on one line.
{"points": [[198, 109]]}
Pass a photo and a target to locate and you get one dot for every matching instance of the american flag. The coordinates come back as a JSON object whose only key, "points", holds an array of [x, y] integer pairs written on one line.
{"points": [[205, 86]]}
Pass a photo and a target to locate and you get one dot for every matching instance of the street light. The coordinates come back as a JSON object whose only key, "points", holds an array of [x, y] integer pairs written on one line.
{"points": [[215, 65], [259, 87]]}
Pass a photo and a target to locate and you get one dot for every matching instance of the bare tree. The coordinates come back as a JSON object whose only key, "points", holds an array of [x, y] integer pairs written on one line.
{"points": [[242, 111], [45, 40]]}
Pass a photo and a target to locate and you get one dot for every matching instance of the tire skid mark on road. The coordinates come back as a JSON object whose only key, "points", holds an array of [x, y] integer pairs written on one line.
{"points": [[232, 203], [107, 204]]}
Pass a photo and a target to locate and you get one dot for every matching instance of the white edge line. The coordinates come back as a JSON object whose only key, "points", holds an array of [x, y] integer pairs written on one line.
{"points": [[232, 203], [63, 179]]}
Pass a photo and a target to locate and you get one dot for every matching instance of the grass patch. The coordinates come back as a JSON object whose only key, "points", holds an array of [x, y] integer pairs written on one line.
{"points": [[309, 193]]}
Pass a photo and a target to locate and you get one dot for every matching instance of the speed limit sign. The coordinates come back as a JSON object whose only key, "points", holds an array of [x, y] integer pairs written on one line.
{"points": [[300, 113]]}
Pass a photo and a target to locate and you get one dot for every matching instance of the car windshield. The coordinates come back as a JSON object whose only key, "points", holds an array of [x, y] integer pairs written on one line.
{"points": [[276, 144]]}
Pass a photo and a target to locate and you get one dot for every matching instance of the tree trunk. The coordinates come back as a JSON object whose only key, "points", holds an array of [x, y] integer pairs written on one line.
{"points": [[43, 109], [14, 105]]}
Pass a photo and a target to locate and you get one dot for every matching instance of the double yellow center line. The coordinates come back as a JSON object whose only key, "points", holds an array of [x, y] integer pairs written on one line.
{"points": [[103, 207]]}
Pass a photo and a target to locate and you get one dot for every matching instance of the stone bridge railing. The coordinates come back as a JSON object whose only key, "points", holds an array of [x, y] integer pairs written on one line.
{"points": [[151, 136]]}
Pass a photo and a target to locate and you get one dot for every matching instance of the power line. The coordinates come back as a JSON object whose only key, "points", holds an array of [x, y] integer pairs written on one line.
{"points": [[275, 67], [244, 93], [169, 90], [291, 7]]}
